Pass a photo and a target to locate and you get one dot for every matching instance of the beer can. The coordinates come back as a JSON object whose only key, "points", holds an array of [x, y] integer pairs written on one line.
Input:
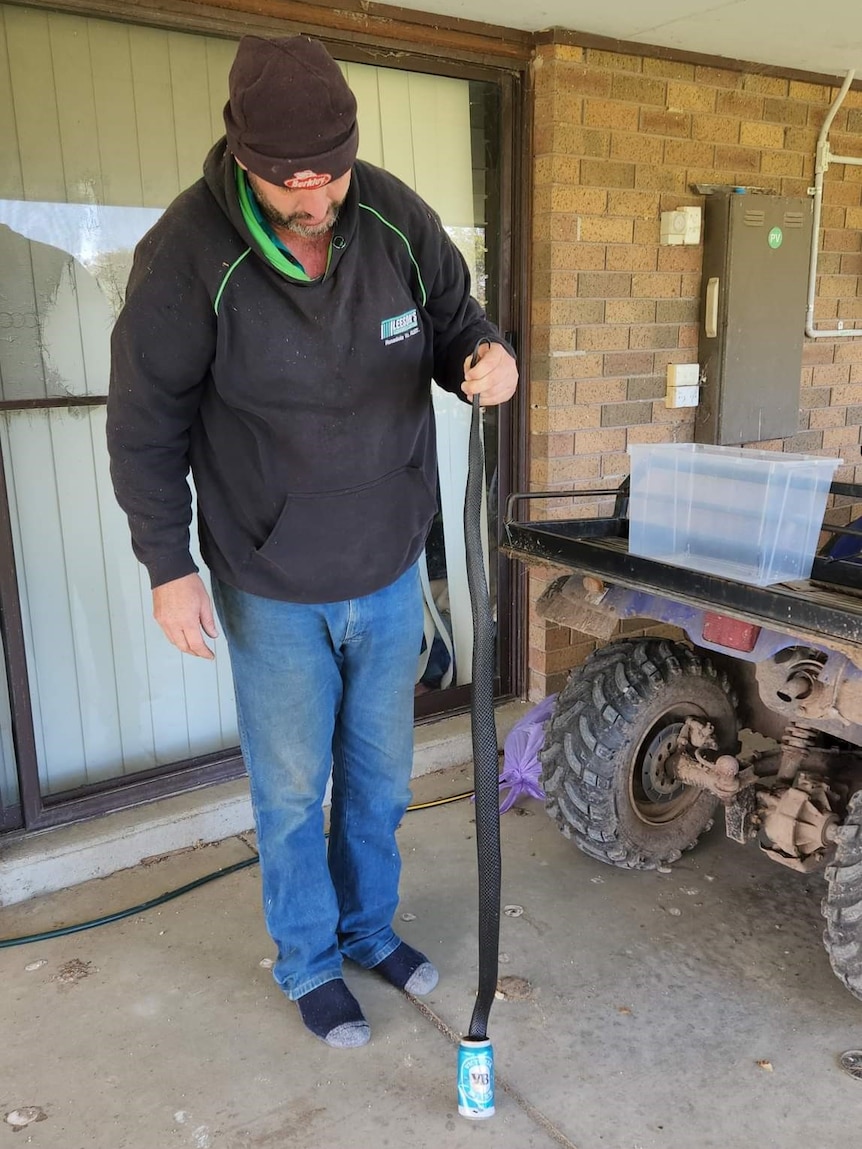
{"points": [[475, 1078]]}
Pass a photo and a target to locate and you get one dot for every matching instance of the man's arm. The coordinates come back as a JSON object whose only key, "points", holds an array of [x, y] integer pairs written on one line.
{"points": [[161, 350]]}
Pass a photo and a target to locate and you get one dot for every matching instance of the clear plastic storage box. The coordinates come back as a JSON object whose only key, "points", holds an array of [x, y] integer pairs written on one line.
{"points": [[753, 516]]}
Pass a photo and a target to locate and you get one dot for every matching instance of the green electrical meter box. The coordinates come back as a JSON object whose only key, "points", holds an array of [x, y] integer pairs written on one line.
{"points": [[753, 297]]}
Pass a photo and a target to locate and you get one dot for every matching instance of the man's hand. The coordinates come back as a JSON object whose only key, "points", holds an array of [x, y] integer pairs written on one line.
{"points": [[494, 378], [181, 608]]}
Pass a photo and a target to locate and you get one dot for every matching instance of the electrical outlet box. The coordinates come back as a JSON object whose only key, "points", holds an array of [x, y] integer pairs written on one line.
{"points": [[683, 375], [681, 226], [682, 396]]}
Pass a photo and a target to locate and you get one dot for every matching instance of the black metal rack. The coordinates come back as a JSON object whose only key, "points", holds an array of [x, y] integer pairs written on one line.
{"points": [[828, 606]]}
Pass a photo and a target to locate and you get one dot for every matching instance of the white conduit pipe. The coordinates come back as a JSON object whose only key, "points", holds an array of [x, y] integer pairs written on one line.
{"points": [[822, 162]]}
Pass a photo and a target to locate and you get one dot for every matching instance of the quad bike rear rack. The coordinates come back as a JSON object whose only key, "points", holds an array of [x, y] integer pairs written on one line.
{"points": [[825, 609]]}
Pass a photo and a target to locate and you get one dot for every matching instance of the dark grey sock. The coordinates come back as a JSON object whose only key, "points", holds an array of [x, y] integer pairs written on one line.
{"points": [[408, 969], [334, 1015]]}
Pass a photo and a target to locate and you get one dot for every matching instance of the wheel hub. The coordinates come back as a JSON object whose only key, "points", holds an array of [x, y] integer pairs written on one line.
{"points": [[658, 777]]}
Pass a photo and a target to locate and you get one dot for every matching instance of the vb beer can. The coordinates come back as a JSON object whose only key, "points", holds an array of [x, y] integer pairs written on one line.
{"points": [[475, 1078]]}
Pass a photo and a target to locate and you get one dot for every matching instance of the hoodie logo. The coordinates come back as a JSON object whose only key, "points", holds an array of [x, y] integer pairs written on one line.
{"points": [[307, 179], [399, 328]]}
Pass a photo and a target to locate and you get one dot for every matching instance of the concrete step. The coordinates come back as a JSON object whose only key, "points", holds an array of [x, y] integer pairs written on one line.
{"points": [[50, 860]]}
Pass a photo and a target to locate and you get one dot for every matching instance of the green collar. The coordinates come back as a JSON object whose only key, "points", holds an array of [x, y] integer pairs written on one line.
{"points": [[272, 250]]}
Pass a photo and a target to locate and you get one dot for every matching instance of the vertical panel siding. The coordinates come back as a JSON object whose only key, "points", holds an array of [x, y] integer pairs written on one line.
{"points": [[190, 89], [92, 112], [35, 103], [220, 54], [72, 64], [11, 184], [8, 774], [110, 695], [440, 115], [32, 482], [363, 80], [418, 127], [21, 369], [116, 112], [396, 126], [30, 61], [156, 130]]}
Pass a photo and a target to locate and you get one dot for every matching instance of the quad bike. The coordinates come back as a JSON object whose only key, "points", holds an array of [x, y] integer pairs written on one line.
{"points": [[643, 745]]}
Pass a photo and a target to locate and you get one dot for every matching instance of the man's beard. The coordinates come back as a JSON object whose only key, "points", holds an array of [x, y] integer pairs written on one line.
{"points": [[294, 222]]}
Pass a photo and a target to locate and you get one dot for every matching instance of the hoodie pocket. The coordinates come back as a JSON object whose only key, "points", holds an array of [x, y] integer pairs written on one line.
{"points": [[344, 544]]}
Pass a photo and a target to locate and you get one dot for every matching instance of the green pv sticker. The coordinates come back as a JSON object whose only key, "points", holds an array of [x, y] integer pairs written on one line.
{"points": [[775, 238]]}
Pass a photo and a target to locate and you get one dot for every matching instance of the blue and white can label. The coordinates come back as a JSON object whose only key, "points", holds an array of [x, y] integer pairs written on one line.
{"points": [[475, 1078]]}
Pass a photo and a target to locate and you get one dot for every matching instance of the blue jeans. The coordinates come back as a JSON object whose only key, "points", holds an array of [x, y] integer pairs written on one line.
{"points": [[322, 687]]}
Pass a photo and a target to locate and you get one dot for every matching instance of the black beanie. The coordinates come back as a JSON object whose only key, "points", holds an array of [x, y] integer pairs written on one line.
{"points": [[291, 118]]}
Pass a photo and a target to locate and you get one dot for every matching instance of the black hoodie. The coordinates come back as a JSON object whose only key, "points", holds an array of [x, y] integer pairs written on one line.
{"points": [[303, 407]]}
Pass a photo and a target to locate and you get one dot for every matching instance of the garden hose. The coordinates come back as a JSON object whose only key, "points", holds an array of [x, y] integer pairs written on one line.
{"points": [[169, 895]]}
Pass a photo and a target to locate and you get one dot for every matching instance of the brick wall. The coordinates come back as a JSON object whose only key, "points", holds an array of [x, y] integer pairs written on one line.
{"points": [[617, 140]]}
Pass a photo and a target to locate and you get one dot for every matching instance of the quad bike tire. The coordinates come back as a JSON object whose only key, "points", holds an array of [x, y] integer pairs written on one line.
{"points": [[842, 906], [607, 761]]}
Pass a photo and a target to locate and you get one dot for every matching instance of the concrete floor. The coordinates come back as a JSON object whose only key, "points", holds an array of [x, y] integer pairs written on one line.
{"points": [[654, 997]]}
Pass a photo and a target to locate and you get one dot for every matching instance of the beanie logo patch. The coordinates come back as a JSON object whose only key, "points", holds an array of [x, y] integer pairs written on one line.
{"points": [[307, 179]]}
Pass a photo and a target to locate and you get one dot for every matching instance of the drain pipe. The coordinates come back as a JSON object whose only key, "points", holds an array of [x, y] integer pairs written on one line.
{"points": [[822, 162]]}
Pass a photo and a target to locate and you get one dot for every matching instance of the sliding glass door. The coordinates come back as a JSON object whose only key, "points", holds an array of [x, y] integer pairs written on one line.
{"points": [[101, 125]]}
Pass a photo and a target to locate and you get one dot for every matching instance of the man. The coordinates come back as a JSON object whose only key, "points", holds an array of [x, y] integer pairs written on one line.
{"points": [[282, 324]]}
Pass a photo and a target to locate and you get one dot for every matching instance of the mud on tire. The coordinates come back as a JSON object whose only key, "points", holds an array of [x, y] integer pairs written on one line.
{"points": [[842, 906], [606, 761]]}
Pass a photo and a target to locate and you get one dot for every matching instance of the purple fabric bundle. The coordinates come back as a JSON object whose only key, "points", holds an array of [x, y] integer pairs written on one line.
{"points": [[521, 768]]}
